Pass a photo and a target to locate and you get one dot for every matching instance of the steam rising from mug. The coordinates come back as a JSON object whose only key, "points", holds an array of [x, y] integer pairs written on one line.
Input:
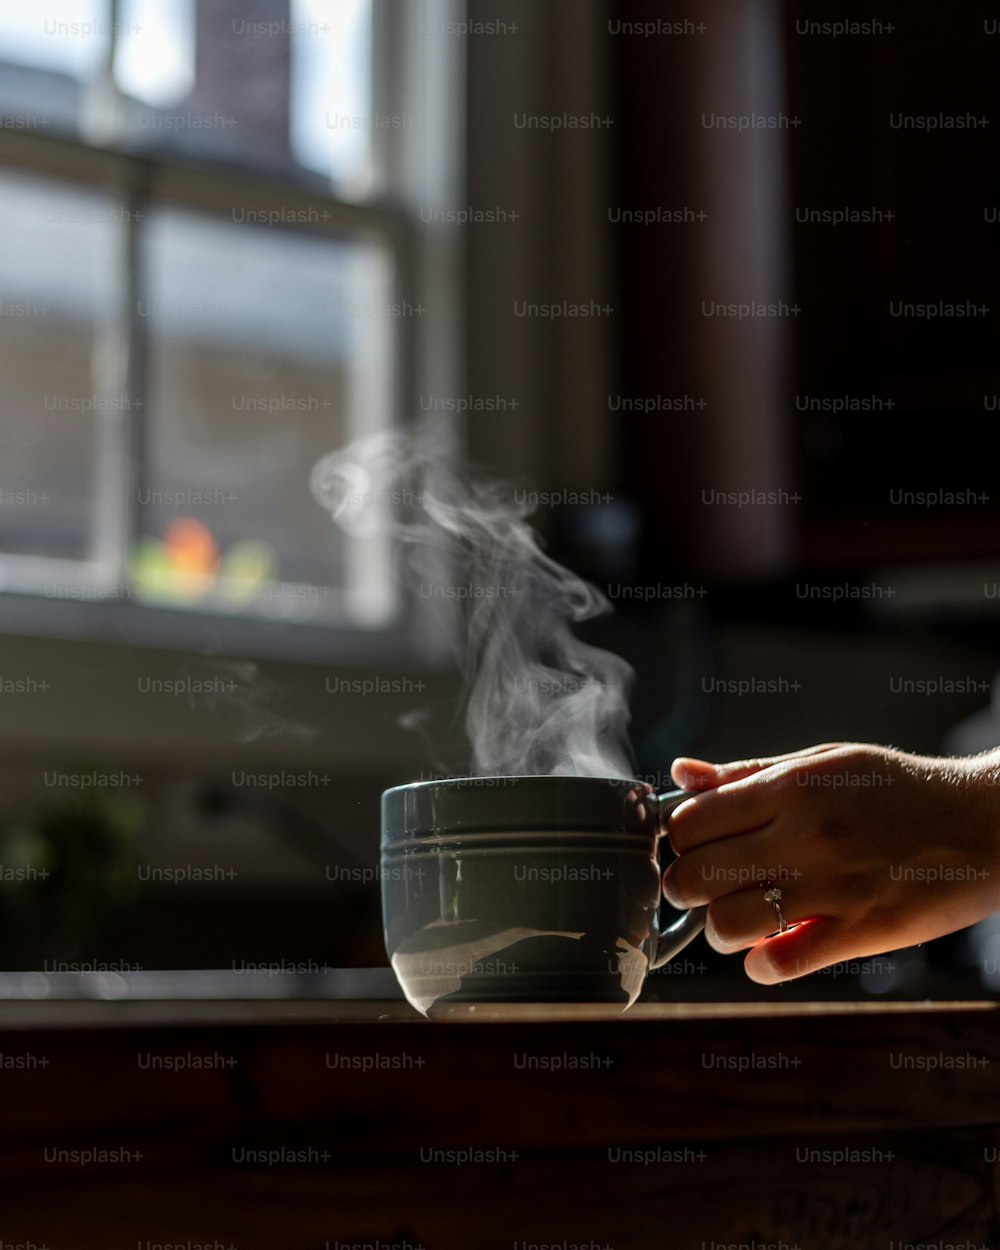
{"points": [[536, 698]]}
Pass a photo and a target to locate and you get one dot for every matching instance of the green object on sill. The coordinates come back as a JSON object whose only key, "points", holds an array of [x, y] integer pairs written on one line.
{"points": [[68, 871]]}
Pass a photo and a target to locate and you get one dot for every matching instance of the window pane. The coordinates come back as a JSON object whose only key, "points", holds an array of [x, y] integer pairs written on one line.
{"points": [[275, 84], [332, 116], [51, 59], [61, 269], [266, 350], [155, 56], [281, 85]]}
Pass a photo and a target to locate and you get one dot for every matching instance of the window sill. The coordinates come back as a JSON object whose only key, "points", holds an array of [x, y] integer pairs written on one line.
{"points": [[142, 626]]}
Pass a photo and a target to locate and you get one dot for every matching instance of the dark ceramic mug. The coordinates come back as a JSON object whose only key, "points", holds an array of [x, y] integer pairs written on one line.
{"points": [[526, 889]]}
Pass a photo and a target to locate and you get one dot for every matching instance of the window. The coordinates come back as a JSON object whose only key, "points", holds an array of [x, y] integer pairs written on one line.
{"points": [[210, 250], [61, 271], [286, 85]]}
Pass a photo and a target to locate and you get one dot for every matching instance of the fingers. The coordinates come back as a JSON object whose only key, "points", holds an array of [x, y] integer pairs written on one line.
{"points": [[747, 802], [733, 809], [744, 919], [807, 948], [691, 774], [731, 865], [742, 797], [696, 774], [814, 940]]}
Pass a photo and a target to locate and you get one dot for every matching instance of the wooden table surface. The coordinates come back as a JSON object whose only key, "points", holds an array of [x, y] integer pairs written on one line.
{"points": [[334, 1124]]}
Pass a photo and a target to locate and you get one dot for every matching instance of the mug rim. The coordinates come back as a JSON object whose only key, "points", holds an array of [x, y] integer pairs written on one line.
{"points": [[516, 801], [513, 777]]}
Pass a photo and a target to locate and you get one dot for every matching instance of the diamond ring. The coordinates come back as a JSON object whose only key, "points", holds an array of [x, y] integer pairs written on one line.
{"points": [[772, 895]]}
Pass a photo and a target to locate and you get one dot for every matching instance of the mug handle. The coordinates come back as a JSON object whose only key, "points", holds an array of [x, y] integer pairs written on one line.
{"points": [[686, 927]]}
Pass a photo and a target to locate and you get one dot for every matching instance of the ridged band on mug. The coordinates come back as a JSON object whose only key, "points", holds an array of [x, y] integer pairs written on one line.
{"points": [[516, 839]]}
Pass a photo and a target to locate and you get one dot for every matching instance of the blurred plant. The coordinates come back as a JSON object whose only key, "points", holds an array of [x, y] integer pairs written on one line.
{"points": [[187, 566], [66, 872]]}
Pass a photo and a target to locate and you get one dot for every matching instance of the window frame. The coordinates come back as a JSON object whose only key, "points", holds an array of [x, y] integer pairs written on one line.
{"points": [[142, 178]]}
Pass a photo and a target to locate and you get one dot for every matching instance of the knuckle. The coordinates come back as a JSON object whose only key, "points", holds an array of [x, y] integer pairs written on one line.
{"points": [[850, 757]]}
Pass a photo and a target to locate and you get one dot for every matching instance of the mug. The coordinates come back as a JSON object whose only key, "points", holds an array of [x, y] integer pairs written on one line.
{"points": [[526, 889]]}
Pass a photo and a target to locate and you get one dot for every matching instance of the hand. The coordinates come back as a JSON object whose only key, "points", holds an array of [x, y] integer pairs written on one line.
{"points": [[873, 850]]}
